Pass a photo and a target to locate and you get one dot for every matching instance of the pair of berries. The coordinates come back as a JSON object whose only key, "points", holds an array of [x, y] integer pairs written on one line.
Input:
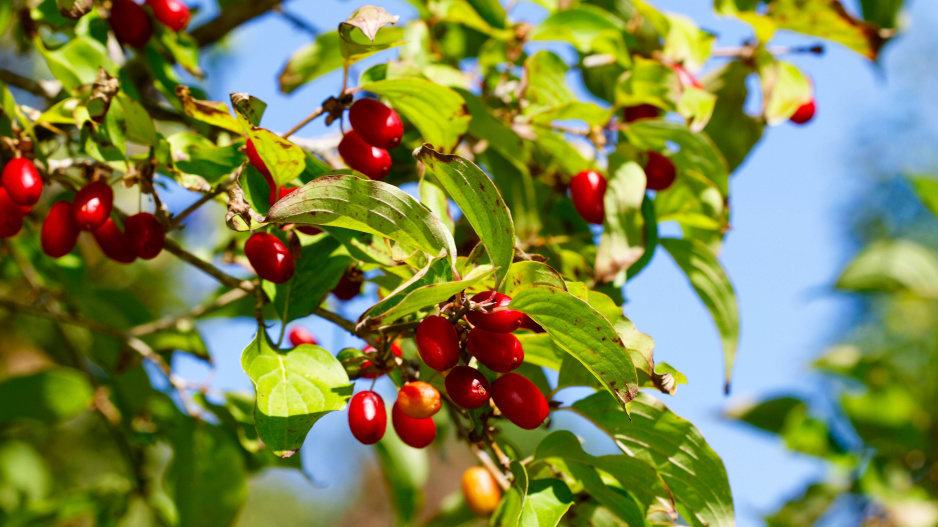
{"points": [[20, 189], [376, 129], [588, 188], [131, 23], [411, 415]]}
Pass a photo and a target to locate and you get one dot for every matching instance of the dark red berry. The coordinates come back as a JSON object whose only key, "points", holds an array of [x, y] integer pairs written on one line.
{"points": [[22, 181], [501, 352], [131, 23], [659, 171], [438, 343], [92, 205], [11, 216], [367, 417], [395, 349], [529, 323], [349, 286], [301, 336], [588, 188], [145, 234], [59, 231], [641, 111], [419, 400], [171, 13], [467, 387], [305, 229], [372, 161], [804, 113], [687, 80], [377, 124], [114, 243], [255, 160], [417, 433], [269, 257], [520, 401], [494, 318]]}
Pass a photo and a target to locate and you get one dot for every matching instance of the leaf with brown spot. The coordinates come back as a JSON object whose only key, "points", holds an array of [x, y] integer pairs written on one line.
{"points": [[211, 112]]}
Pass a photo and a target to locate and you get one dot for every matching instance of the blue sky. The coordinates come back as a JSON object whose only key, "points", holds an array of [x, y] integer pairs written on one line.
{"points": [[787, 245]]}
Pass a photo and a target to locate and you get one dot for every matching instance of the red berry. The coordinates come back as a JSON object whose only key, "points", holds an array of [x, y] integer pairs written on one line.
{"points": [[269, 257], [369, 160], [367, 417], [171, 13], [11, 216], [305, 229], [418, 400], [687, 80], [641, 111], [376, 124], [417, 433], [438, 343], [495, 318], [481, 491], [349, 286], [114, 243], [146, 235], [130, 23], [501, 352], [467, 387], [59, 231], [520, 401], [92, 205], [804, 113], [529, 323], [587, 190], [659, 171], [395, 349], [301, 336], [22, 181], [255, 160]]}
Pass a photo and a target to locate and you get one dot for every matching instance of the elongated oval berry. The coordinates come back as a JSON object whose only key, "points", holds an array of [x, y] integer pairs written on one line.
{"points": [[269, 257], [419, 400], [520, 401], [377, 124], [417, 433], [59, 231], [467, 387], [114, 243], [480, 491], [22, 181], [92, 205], [372, 161], [804, 113], [300, 335], [131, 23], [529, 324], [11, 216], [438, 343], [641, 111], [171, 13], [501, 352], [659, 171], [395, 349], [367, 417], [588, 188], [255, 160], [495, 318], [349, 286], [145, 234], [687, 80]]}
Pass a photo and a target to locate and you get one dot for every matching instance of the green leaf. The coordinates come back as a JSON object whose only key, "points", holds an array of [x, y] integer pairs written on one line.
{"points": [[433, 197], [311, 61], [648, 82], [185, 339], [623, 240], [76, 62], [51, 395], [584, 333], [883, 13], [480, 201], [733, 131], [524, 275], [321, 266], [294, 389], [367, 206], [926, 188], [360, 35], [651, 238], [540, 350], [511, 506], [892, 266], [784, 90], [406, 471], [547, 501], [579, 26], [809, 507], [546, 86], [215, 113], [438, 112], [685, 43], [249, 107], [673, 446], [140, 127], [284, 159], [714, 289], [409, 301]]}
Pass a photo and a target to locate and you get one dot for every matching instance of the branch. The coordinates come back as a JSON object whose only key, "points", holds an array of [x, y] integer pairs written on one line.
{"points": [[219, 189], [347, 325], [230, 18], [170, 322], [748, 51], [207, 268], [39, 89], [316, 113]]}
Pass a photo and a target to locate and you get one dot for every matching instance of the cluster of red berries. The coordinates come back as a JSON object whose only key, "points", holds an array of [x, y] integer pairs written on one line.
{"points": [[131, 23], [376, 129], [491, 342]]}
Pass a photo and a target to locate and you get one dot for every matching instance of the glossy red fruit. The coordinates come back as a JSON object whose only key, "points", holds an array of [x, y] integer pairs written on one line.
{"points": [[59, 231], [255, 160], [495, 318], [22, 181], [587, 190], [501, 352], [145, 234], [804, 113], [641, 111], [659, 171], [520, 401], [481, 491], [438, 343], [687, 80], [395, 349], [131, 23], [349, 286], [377, 124], [417, 433], [372, 161], [114, 243], [173, 14], [367, 417], [419, 400], [301, 336], [11, 216], [305, 229], [529, 323], [269, 257], [467, 387], [92, 205]]}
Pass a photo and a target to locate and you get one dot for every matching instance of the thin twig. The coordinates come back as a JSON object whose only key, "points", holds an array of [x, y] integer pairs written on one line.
{"points": [[316, 113], [229, 19], [748, 51], [29, 85], [209, 269], [172, 321], [490, 466]]}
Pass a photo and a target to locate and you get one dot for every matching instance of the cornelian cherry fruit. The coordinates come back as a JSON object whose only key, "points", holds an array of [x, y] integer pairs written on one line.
{"points": [[501, 352], [417, 433], [145, 234], [480, 491], [114, 243], [59, 231], [300, 336], [419, 400], [588, 188], [438, 343], [11, 216], [520, 401], [131, 23], [173, 14], [349, 286], [494, 318], [659, 172], [395, 349], [804, 113], [367, 417], [92, 205], [22, 182], [529, 324], [269, 257], [641, 111], [377, 124], [372, 161], [467, 387]]}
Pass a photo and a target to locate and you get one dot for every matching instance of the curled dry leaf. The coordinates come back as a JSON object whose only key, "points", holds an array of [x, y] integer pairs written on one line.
{"points": [[369, 19]]}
